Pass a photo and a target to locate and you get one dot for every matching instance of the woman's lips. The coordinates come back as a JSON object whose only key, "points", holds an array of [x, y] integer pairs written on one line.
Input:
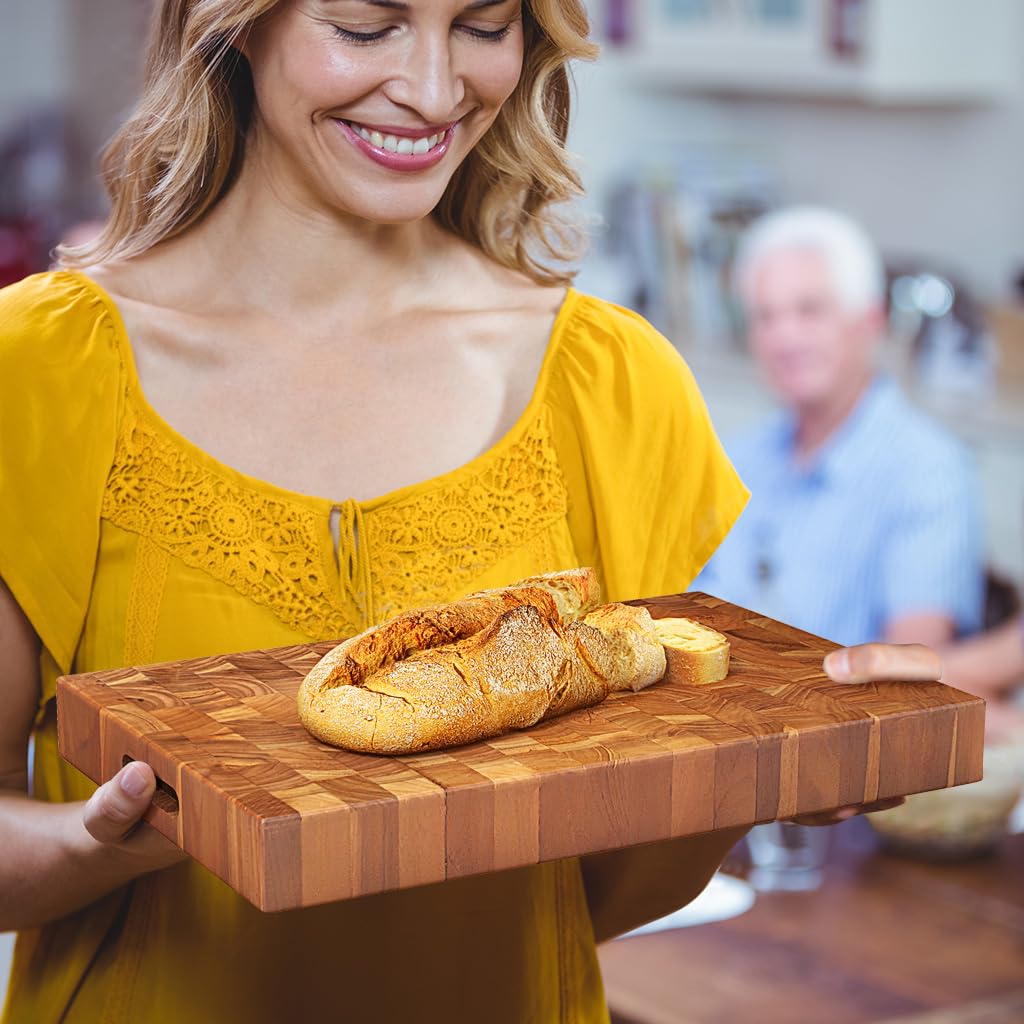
{"points": [[399, 149]]}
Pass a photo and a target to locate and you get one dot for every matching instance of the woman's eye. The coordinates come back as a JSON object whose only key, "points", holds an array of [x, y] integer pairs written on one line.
{"points": [[487, 35], [359, 37]]}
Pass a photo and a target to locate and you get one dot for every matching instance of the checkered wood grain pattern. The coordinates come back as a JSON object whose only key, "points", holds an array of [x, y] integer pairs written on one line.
{"points": [[288, 821]]}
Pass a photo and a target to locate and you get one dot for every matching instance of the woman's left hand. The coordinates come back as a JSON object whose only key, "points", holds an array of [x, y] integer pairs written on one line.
{"points": [[873, 663], [844, 813], [877, 663]]}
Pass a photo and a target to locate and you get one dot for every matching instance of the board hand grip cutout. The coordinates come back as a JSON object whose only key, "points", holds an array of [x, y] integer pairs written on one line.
{"points": [[165, 796]]}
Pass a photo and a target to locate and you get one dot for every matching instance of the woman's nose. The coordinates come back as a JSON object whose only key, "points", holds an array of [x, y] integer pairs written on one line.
{"points": [[429, 83]]}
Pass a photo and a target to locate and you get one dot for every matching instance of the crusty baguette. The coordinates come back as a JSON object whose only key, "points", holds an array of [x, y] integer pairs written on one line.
{"points": [[526, 663], [696, 654], [558, 595]]}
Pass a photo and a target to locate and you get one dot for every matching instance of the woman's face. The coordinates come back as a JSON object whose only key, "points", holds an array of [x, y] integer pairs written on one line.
{"points": [[367, 107]]}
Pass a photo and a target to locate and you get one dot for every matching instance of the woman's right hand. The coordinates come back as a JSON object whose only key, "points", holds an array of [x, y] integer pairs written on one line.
{"points": [[112, 816], [60, 856]]}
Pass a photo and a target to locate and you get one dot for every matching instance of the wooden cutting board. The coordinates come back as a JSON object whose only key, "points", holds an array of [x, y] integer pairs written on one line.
{"points": [[289, 822]]}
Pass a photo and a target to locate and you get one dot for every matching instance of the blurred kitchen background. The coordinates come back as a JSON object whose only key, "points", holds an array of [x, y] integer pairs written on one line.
{"points": [[907, 115]]}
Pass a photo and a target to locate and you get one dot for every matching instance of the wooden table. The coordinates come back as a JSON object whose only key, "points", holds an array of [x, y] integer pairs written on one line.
{"points": [[885, 939]]}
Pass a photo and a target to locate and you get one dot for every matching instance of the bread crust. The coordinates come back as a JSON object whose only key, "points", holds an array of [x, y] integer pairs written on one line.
{"points": [[495, 661]]}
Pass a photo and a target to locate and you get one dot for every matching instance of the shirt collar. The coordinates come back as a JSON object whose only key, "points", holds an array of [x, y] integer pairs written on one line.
{"points": [[851, 444]]}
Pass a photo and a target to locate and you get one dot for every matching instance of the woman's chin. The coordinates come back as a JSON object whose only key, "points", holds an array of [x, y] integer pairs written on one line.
{"points": [[393, 210]]}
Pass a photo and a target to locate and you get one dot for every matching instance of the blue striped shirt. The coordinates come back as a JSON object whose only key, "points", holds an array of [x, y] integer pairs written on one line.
{"points": [[883, 522]]}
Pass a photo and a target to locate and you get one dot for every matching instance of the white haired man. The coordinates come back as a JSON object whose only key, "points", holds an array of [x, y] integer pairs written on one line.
{"points": [[863, 523]]}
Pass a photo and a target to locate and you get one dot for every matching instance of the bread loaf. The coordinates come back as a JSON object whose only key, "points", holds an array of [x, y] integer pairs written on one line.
{"points": [[494, 661], [696, 654]]}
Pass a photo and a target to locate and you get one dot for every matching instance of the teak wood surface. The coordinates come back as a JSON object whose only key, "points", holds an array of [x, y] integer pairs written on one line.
{"points": [[288, 821]]}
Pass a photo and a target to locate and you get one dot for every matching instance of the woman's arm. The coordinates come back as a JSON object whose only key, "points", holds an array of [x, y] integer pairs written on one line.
{"points": [[60, 857], [628, 888]]}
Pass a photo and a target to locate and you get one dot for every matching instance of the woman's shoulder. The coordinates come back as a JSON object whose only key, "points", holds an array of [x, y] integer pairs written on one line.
{"points": [[54, 319], [609, 317], [60, 388], [609, 347], [34, 300], [55, 304]]}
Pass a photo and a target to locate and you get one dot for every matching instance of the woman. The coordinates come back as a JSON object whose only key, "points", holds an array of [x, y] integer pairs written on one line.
{"points": [[331, 268]]}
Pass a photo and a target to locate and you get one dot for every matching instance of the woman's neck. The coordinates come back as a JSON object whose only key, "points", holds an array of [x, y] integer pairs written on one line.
{"points": [[277, 253]]}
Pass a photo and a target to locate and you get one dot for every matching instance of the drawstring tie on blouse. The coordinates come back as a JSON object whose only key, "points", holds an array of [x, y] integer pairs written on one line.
{"points": [[353, 565]]}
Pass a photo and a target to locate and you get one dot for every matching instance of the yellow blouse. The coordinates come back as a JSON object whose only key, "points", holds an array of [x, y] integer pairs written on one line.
{"points": [[126, 544]]}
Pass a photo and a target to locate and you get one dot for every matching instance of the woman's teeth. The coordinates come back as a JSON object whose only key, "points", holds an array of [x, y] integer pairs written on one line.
{"points": [[394, 144]]}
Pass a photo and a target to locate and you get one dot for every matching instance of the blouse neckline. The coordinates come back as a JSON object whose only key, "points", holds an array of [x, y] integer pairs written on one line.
{"points": [[450, 477]]}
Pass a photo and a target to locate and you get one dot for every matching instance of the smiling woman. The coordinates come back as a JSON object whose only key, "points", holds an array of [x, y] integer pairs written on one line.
{"points": [[183, 147], [321, 368]]}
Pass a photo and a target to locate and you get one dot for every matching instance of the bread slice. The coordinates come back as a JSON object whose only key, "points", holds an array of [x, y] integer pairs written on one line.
{"points": [[696, 655]]}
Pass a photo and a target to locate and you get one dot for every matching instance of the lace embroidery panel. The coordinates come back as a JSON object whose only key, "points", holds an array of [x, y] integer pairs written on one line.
{"points": [[267, 549], [425, 548], [144, 599], [436, 545]]}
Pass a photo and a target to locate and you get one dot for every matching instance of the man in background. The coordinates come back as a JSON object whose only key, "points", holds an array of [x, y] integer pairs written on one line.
{"points": [[863, 522]]}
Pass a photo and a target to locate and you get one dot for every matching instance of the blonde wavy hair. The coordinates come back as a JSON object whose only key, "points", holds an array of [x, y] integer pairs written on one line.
{"points": [[182, 147]]}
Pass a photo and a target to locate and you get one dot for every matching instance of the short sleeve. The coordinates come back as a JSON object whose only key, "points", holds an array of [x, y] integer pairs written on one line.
{"points": [[652, 492], [59, 404], [935, 561]]}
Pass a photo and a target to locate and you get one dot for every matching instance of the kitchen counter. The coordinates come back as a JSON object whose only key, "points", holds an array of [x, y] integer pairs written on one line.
{"points": [[886, 939]]}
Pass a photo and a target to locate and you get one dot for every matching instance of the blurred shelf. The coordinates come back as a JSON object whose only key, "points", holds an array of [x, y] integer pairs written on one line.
{"points": [[912, 52]]}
